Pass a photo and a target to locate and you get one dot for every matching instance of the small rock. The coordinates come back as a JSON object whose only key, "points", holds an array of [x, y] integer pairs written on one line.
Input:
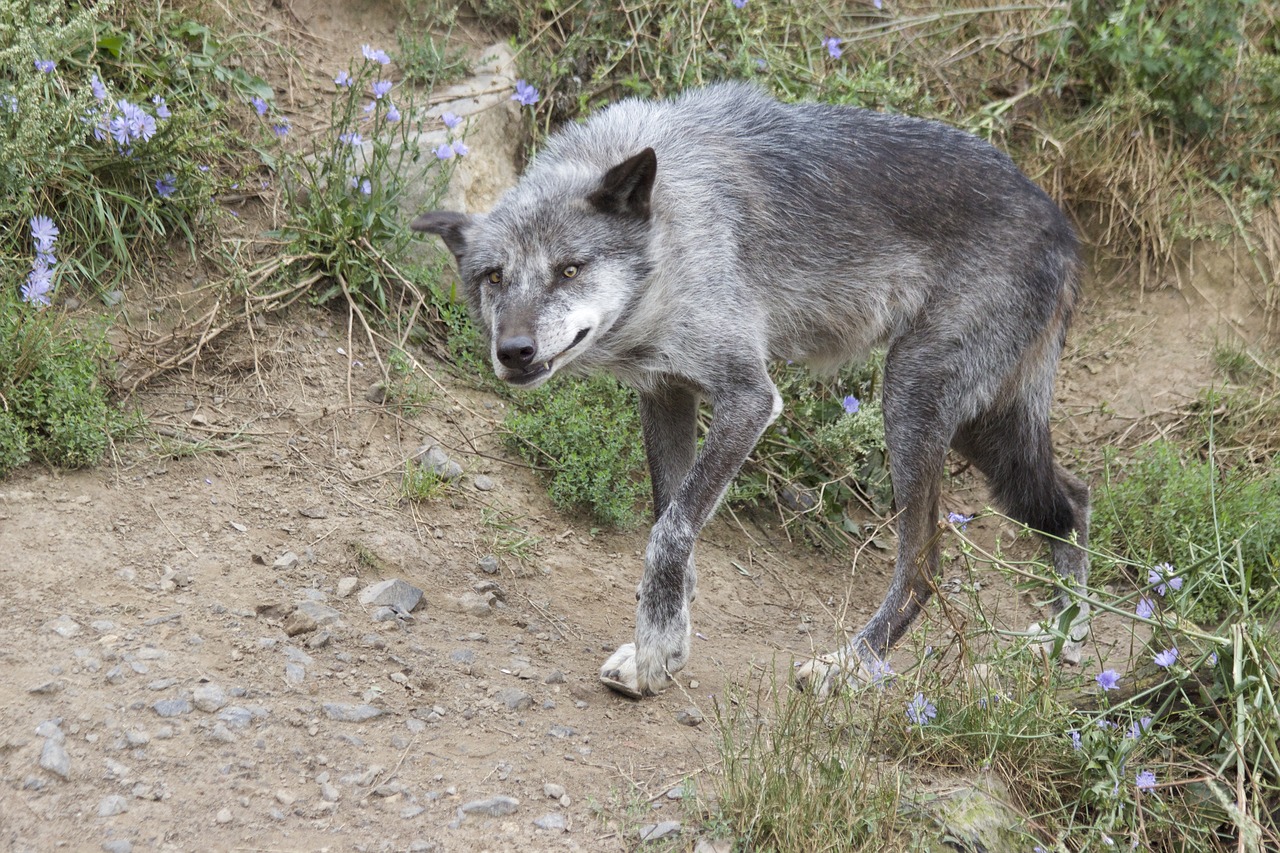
{"points": [[63, 626], [330, 793], [499, 806], [118, 845], [484, 483], [319, 640], [209, 698], [346, 586], [172, 707], [137, 737], [294, 673], [689, 717], [287, 560], [48, 688], [554, 822], [409, 812], [555, 676], [223, 816], [314, 512], [562, 731], [54, 758], [346, 713], [392, 593], [472, 604], [299, 622], [553, 790], [285, 798], [714, 845], [377, 393], [489, 564], [221, 733], [435, 460], [514, 699], [111, 805], [656, 831]]}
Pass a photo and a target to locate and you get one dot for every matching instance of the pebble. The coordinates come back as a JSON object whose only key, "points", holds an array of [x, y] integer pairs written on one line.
{"points": [[555, 676], [553, 821], [472, 603], [514, 699], [411, 811], [330, 793], [562, 731], [319, 640], [393, 593], [435, 460], [323, 614], [118, 845], [499, 806], [209, 698], [112, 805], [347, 713], [689, 717], [54, 758], [346, 586], [172, 707], [489, 564], [285, 798], [294, 673], [657, 831], [314, 512], [223, 816], [714, 845], [63, 626], [484, 483], [48, 687], [287, 560], [221, 733], [553, 790], [300, 622], [137, 737], [376, 393]]}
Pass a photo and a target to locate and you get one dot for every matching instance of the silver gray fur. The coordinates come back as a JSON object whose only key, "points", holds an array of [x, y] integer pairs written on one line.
{"points": [[685, 245]]}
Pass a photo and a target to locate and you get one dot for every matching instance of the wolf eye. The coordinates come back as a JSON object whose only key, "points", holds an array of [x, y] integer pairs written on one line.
{"points": [[569, 271], [495, 277]]}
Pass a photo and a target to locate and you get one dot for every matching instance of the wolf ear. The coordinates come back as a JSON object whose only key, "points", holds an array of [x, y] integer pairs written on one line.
{"points": [[451, 227], [624, 190]]}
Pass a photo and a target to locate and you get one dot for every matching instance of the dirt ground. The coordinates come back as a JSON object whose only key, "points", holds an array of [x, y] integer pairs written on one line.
{"points": [[146, 604]]}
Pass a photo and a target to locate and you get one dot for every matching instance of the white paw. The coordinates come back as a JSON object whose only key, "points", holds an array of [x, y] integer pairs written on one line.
{"points": [[619, 672], [1046, 638], [820, 675], [828, 673]]}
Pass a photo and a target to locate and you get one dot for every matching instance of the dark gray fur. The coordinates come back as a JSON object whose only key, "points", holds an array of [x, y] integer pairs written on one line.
{"points": [[713, 234]]}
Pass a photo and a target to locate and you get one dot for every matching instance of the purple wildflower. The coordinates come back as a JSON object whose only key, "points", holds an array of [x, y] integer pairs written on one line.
{"points": [[1145, 608], [366, 188], [1164, 579], [1108, 679], [851, 405], [1146, 780], [959, 519], [460, 148], [351, 138], [393, 114], [44, 233], [1213, 658], [832, 44], [281, 127], [1166, 658], [1138, 728], [451, 120], [162, 109], [881, 673], [526, 94], [739, 3], [166, 185], [259, 105], [99, 88], [1075, 739], [444, 152], [46, 66], [39, 283], [920, 711], [380, 88], [343, 79], [373, 55]]}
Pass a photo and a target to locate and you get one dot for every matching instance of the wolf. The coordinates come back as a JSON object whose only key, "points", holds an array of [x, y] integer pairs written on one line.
{"points": [[684, 245]]}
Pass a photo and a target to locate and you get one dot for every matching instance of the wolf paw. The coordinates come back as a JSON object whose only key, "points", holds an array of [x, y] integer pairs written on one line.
{"points": [[820, 675], [619, 672]]}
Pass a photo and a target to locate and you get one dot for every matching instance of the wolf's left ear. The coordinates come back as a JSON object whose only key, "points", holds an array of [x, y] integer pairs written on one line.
{"points": [[625, 189], [451, 227]]}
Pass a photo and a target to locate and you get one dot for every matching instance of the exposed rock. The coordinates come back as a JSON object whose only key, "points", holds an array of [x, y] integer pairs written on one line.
{"points": [[347, 713], [498, 806], [393, 593], [657, 831]]}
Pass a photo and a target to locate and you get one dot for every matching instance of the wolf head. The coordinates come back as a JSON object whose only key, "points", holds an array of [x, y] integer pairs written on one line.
{"points": [[548, 272]]}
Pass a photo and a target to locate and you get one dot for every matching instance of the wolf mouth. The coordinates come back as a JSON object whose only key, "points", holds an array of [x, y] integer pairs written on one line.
{"points": [[536, 372]]}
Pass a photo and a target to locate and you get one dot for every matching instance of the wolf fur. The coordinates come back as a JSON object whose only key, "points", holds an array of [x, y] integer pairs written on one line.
{"points": [[684, 245]]}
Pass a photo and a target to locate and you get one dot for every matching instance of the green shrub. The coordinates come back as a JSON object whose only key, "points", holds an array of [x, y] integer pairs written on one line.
{"points": [[1167, 506], [587, 433]]}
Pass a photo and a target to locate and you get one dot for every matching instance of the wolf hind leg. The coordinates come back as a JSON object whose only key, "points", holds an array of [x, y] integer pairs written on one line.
{"points": [[1012, 447]]}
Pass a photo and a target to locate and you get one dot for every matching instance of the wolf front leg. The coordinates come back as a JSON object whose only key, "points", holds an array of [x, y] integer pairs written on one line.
{"points": [[685, 496]]}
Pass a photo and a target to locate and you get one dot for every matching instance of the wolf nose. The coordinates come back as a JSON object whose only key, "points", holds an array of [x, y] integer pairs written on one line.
{"points": [[517, 351]]}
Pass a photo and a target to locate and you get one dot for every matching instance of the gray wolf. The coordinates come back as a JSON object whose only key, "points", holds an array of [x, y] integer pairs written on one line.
{"points": [[684, 245]]}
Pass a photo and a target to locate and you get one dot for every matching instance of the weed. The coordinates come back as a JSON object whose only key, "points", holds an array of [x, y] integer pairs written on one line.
{"points": [[421, 483], [508, 537]]}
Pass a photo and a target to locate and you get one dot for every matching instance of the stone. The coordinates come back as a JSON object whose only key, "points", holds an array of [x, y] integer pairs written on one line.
{"points": [[499, 806], [553, 790], [472, 603], [658, 831], [484, 483], [209, 698], [689, 717], [713, 845], [433, 458], [313, 512], [223, 816], [63, 626], [299, 622], [489, 564], [553, 822], [346, 586], [393, 593], [54, 758], [176, 707], [118, 845], [514, 699], [111, 805], [287, 560], [377, 393], [347, 713]]}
